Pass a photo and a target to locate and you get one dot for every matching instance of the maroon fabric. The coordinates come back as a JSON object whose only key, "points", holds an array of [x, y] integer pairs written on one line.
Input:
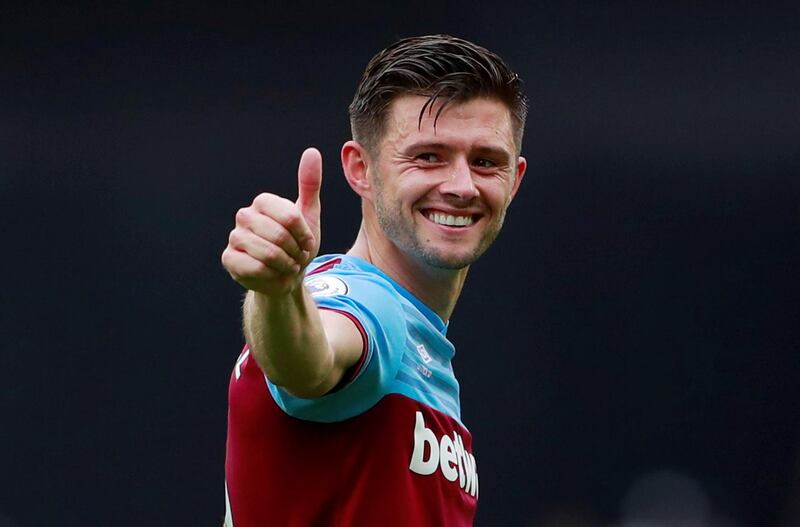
{"points": [[288, 472]]}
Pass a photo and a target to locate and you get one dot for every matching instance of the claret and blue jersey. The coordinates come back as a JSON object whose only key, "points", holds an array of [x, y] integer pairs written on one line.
{"points": [[386, 447]]}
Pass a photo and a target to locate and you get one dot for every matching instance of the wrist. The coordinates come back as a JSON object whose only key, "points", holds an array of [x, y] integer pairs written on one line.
{"points": [[291, 293]]}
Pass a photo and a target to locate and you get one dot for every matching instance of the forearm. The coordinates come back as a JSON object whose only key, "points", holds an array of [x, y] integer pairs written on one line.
{"points": [[288, 341], [273, 241]]}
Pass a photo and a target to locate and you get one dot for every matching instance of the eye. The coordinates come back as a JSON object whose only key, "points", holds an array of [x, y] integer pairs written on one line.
{"points": [[428, 157], [484, 163]]}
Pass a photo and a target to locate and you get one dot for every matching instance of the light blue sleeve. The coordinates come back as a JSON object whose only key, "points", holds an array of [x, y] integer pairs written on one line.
{"points": [[376, 306]]}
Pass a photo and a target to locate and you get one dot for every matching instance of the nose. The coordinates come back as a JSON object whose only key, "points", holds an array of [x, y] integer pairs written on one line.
{"points": [[459, 182]]}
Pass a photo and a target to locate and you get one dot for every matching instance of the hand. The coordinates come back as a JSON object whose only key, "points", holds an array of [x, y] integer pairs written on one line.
{"points": [[275, 239]]}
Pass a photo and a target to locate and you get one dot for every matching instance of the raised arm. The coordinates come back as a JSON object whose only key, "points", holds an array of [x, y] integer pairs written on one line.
{"points": [[299, 347]]}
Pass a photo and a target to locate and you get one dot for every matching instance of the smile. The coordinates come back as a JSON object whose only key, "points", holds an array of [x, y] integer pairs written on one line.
{"points": [[449, 220]]}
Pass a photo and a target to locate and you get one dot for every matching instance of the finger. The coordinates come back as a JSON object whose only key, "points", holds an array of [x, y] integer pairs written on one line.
{"points": [[282, 211], [271, 230], [264, 251], [309, 183], [245, 269]]}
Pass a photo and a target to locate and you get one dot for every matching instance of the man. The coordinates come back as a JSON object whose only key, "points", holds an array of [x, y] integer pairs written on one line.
{"points": [[343, 407]]}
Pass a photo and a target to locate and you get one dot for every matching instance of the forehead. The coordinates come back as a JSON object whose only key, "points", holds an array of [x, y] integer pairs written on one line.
{"points": [[478, 121]]}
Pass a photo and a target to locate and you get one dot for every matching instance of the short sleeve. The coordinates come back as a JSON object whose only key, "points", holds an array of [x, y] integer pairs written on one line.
{"points": [[374, 306]]}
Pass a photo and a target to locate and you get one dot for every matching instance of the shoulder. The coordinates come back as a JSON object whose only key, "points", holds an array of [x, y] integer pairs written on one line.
{"points": [[360, 291], [345, 277]]}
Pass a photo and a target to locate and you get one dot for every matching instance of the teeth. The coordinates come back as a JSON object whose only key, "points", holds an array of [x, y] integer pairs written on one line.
{"points": [[449, 219]]}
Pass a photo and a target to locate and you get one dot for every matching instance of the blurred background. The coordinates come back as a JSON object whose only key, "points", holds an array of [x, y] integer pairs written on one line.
{"points": [[627, 351]]}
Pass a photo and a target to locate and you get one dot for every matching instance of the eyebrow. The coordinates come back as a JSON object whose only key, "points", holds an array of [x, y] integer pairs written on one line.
{"points": [[491, 151]]}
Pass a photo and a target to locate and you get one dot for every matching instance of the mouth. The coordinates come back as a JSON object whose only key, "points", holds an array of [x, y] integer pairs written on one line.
{"points": [[458, 220]]}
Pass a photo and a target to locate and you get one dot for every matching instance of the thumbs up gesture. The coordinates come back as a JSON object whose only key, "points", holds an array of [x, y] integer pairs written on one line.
{"points": [[274, 239], [309, 183]]}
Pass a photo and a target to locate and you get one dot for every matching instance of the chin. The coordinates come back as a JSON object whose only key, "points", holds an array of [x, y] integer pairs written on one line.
{"points": [[451, 262]]}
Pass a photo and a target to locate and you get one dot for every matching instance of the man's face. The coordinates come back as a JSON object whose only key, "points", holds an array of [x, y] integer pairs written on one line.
{"points": [[441, 195]]}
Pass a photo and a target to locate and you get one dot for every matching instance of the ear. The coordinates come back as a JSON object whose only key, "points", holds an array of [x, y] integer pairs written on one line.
{"points": [[522, 164], [355, 163]]}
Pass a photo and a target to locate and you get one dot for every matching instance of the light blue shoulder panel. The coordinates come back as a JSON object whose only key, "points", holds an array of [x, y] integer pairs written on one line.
{"points": [[407, 351]]}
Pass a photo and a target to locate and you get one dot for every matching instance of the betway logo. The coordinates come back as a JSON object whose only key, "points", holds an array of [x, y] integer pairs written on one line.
{"points": [[447, 454]]}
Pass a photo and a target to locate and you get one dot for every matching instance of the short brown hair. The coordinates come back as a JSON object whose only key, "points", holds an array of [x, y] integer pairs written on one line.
{"points": [[434, 66]]}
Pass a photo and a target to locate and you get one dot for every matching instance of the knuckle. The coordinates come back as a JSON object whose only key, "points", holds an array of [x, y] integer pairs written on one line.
{"points": [[270, 253], [281, 237], [261, 198], [243, 216], [264, 200], [235, 238], [294, 219], [231, 264]]}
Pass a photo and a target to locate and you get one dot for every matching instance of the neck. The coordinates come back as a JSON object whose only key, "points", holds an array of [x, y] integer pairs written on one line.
{"points": [[438, 289]]}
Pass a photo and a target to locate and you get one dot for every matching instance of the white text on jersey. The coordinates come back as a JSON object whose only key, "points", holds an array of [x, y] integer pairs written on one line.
{"points": [[447, 454]]}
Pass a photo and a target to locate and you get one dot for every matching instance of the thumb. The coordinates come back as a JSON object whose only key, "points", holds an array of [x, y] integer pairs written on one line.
{"points": [[309, 182]]}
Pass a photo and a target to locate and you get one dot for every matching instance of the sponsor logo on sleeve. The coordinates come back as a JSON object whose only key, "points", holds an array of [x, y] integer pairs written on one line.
{"points": [[324, 285]]}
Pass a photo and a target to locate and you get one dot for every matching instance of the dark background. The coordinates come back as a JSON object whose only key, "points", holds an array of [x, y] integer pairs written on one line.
{"points": [[627, 351]]}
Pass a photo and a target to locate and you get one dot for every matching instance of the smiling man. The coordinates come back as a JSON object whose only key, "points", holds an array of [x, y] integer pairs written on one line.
{"points": [[343, 406]]}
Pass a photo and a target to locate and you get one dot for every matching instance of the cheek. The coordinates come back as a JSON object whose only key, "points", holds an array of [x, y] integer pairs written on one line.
{"points": [[415, 189], [496, 194]]}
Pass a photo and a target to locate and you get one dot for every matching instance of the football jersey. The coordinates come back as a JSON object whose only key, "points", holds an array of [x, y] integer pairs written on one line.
{"points": [[386, 447]]}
